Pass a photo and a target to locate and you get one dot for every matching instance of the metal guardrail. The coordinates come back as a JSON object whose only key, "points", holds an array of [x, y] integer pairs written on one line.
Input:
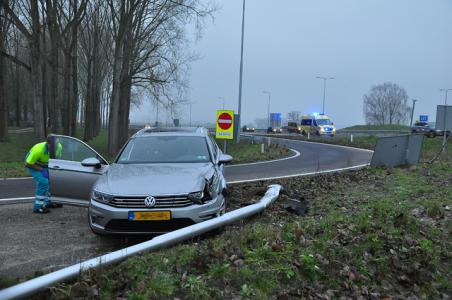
{"points": [[35, 285]]}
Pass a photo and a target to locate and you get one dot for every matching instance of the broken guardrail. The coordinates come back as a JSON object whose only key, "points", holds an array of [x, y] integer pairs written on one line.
{"points": [[35, 285]]}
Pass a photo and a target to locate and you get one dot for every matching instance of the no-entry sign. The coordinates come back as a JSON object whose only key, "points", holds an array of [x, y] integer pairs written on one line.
{"points": [[225, 124]]}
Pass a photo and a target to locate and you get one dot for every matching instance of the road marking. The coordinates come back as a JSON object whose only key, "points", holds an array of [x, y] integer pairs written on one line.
{"points": [[15, 178], [9, 200], [297, 153], [299, 174]]}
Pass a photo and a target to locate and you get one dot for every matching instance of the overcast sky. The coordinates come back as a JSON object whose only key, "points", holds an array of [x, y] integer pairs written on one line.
{"points": [[290, 42]]}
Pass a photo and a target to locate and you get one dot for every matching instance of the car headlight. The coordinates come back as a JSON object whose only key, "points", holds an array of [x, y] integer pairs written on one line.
{"points": [[102, 197], [196, 197]]}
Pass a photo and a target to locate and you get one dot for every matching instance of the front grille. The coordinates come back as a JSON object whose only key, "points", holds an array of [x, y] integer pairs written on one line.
{"points": [[168, 201], [147, 226]]}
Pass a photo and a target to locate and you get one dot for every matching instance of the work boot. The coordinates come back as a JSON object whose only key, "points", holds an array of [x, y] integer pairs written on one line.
{"points": [[54, 205], [41, 210]]}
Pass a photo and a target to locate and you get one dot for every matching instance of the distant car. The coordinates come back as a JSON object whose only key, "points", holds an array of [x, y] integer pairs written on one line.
{"points": [[427, 129], [248, 129], [293, 127], [274, 130]]}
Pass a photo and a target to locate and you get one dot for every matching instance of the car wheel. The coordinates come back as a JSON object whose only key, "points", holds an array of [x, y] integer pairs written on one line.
{"points": [[317, 133]]}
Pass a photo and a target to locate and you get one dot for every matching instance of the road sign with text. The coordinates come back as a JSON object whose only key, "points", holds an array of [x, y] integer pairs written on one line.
{"points": [[423, 118], [225, 124]]}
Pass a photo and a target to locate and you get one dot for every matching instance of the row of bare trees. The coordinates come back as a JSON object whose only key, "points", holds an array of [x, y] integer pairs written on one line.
{"points": [[65, 62]]}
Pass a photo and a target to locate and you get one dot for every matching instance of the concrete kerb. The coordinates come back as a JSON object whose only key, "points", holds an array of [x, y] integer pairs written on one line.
{"points": [[300, 174]]}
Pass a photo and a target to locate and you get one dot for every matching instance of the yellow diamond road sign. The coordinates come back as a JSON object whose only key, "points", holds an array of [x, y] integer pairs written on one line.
{"points": [[225, 124]]}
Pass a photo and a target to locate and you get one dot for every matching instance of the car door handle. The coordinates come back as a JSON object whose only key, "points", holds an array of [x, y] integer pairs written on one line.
{"points": [[55, 167]]}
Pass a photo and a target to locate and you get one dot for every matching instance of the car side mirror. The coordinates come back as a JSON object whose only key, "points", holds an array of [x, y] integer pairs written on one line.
{"points": [[224, 158], [91, 162]]}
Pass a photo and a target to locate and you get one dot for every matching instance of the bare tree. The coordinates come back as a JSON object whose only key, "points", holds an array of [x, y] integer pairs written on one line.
{"points": [[32, 33], [294, 115], [94, 50], [147, 35], [3, 100], [386, 103]]}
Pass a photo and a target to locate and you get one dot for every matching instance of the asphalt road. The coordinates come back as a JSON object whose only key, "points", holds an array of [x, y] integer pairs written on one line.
{"points": [[40, 243], [314, 157]]}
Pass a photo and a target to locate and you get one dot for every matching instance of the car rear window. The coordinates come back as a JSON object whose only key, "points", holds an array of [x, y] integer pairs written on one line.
{"points": [[165, 149]]}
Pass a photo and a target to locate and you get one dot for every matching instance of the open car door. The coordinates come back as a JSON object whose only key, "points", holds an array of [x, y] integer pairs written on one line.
{"points": [[74, 167]]}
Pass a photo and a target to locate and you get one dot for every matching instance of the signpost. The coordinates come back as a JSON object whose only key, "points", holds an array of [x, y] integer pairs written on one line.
{"points": [[423, 118], [225, 126]]}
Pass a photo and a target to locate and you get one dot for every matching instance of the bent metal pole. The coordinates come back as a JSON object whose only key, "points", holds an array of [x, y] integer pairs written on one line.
{"points": [[35, 285]]}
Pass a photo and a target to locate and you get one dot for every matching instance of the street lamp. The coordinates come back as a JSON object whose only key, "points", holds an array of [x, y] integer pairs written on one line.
{"points": [[324, 90], [190, 104], [156, 114], [412, 111], [241, 75], [268, 107], [445, 115]]}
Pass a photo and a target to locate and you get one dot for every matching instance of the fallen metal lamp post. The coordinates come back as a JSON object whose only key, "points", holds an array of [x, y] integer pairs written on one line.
{"points": [[40, 283]]}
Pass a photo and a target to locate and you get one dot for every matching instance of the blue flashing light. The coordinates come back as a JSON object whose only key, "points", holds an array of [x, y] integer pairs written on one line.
{"points": [[316, 114]]}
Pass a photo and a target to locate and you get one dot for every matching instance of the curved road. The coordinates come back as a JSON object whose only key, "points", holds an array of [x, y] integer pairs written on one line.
{"points": [[61, 238], [314, 157]]}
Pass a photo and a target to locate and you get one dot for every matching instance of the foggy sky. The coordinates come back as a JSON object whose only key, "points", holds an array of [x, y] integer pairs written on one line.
{"points": [[290, 42]]}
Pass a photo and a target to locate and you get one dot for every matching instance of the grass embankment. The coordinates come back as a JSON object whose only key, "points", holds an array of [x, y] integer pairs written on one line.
{"points": [[430, 147], [245, 152], [12, 153], [374, 233], [378, 127]]}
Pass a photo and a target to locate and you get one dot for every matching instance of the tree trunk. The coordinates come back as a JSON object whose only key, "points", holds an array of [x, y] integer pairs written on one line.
{"points": [[75, 98], [3, 101], [17, 96], [35, 64], [53, 33], [88, 102], [67, 105]]}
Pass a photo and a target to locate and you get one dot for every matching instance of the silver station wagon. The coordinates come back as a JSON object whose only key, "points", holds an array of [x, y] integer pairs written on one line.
{"points": [[162, 180]]}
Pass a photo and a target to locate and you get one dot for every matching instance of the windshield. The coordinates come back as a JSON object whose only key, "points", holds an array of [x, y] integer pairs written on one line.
{"points": [[165, 149], [323, 121]]}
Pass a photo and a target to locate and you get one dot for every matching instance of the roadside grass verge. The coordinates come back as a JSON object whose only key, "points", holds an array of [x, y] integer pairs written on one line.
{"points": [[430, 148], [373, 233], [13, 152], [246, 152], [378, 127]]}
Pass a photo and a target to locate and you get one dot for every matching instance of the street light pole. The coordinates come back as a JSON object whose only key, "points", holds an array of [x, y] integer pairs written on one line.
{"points": [[412, 111], [157, 114], [445, 118], [241, 74], [268, 107], [324, 90], [190, 113]]}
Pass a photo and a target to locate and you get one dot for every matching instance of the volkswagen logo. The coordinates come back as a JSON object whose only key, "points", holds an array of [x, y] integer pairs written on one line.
{"points": [[149, 201]]}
